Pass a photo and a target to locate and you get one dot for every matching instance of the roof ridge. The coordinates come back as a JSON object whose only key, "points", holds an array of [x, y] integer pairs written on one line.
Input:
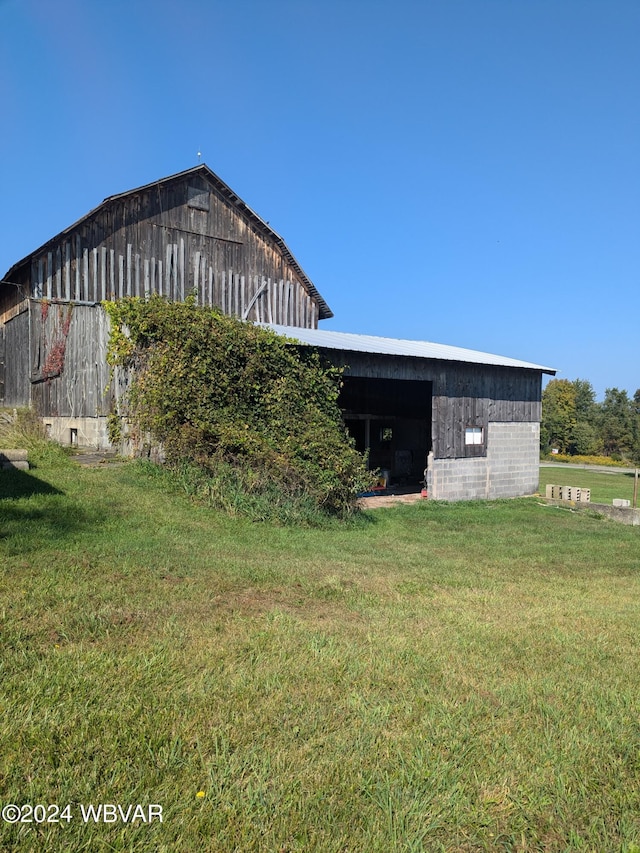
{"points": [[225, 189]]}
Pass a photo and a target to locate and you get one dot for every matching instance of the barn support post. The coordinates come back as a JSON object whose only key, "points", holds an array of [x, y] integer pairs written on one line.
{"points": [[367, 439]]}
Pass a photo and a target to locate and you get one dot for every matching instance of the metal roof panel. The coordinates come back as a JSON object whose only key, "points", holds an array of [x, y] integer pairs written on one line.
{"points": [[350, 342]]}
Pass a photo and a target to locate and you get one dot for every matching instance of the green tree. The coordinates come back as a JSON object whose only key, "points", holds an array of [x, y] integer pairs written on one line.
{"points": [[585, 440], [586, 407], [585, 437], [559, 415], [617, 422]]}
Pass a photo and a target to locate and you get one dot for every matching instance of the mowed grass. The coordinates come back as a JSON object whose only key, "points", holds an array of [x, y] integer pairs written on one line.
{"points": [[430, 678], [604, 485]]}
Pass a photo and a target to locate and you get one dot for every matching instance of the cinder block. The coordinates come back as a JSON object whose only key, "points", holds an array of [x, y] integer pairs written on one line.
{"points": [[621, 502], [13, 456], [18, 464]]}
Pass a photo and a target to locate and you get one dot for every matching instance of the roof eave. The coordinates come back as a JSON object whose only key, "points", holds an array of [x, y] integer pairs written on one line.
{"points": [[399, 348]]}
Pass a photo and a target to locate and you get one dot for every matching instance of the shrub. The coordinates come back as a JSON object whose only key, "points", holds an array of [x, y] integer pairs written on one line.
{"points": [[236, 401], [585, 460]]}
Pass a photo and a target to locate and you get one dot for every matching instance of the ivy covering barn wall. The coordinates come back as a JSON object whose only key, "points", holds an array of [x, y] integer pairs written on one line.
{"points": [[240, 406]]}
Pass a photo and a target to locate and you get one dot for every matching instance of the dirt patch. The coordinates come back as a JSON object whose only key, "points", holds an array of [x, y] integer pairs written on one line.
{"points": [[389, 500], [98, 458]]}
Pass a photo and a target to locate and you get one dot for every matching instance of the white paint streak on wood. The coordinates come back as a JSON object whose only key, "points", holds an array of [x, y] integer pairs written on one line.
{"points": [[260, 314], [49, 267], [129, 249], [237, 308], [103, 273], [261, 302], [270, 294], [196, 272], [78, 263], [67, 270], [120, 276], [84, 284], [37, 290], [94, 288], [175, 293], [58, 274], [182, 269], [167, 270]]}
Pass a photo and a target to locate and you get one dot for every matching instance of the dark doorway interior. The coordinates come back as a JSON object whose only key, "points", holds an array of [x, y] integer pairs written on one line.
{"points": [[392, 418]]}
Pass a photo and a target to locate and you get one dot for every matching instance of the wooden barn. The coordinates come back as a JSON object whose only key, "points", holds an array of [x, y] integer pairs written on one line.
{"points": [[474, 417], [186, 233]]}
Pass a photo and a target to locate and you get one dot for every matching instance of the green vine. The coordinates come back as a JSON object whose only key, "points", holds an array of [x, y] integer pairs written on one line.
{"points": [[212, 390], [114, 428]]}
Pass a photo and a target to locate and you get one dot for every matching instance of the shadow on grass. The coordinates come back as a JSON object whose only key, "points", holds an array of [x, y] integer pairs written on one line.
{"points": [[32, 510], [19, 484]]}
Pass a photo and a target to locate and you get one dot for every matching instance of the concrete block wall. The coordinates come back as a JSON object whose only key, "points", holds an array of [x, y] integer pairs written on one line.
{"points": [[510, 468], [459, 479], [83, 432], [513, 453]]}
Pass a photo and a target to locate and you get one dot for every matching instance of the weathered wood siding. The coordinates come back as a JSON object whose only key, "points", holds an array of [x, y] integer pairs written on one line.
{"points": [[174, 239], [17, 388], [464, 395], [68, 371], [476, 395]]}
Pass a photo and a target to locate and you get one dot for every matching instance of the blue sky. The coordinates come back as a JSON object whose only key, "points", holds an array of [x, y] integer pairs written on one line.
{"points": [[459, 171]]}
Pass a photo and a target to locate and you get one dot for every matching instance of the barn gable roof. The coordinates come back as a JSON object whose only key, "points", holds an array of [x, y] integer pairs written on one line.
{"points": [[349, 342], [226, 192]]}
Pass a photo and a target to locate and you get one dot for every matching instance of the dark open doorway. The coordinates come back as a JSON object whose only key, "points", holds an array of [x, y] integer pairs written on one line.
{"points": [[392, 419]]}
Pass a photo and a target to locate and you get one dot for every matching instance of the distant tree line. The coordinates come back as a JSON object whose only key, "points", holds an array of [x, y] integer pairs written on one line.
{"points": [[573, 423]]}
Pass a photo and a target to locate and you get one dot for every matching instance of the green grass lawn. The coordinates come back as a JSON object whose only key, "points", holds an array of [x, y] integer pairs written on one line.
{"points": [[605, 486], [430, 678]]}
